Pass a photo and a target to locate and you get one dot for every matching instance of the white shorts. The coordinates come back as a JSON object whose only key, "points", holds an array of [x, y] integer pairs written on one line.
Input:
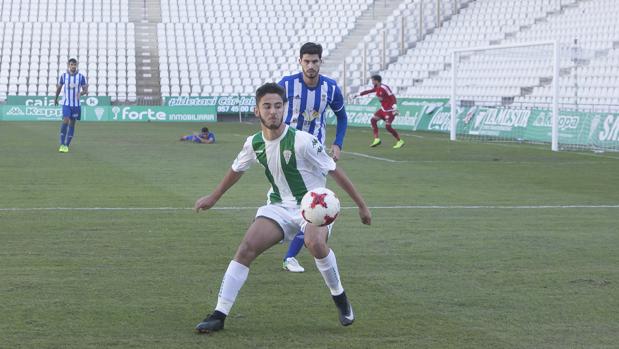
{"points": [[288, 218]]}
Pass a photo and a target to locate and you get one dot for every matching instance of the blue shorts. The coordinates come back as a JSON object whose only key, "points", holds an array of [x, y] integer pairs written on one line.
{"points": [[72, 112]]}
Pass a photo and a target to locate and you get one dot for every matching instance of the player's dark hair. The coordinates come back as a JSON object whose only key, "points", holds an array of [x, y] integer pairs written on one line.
{"points": [[270, 87], [72, 60], [377, 78], [204, 129], [311, 48]]}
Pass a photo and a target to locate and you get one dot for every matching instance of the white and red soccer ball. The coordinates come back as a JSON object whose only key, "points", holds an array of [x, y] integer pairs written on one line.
{"points": [[320, 206]]}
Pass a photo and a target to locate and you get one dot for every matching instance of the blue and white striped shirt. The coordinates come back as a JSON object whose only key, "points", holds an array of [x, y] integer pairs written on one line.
{"points": [[306, 106], [71, 88]]}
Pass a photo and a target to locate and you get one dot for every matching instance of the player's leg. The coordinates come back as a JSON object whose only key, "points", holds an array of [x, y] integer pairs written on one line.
{"points": [[290, 262], [374, 121], [400, 142], [66, 115], [261, 235], [316, 242], [71, 131], [394, 133]]}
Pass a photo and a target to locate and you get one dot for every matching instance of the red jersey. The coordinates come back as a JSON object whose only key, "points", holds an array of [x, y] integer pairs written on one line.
{"points": [[385, 96]]}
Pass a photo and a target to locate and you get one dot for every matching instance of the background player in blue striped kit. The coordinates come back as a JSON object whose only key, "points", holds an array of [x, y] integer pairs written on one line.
{"points": [[309, 93], [73, 84]]}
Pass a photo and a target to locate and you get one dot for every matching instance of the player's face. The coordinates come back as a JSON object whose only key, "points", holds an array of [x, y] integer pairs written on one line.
{"points": [[375, 83], [270, 110], [72, 67], [310, 64]]}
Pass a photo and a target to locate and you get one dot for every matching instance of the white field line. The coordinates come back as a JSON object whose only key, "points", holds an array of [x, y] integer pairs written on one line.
{"points": [[372, 157], [239, 208], [461, 161]]}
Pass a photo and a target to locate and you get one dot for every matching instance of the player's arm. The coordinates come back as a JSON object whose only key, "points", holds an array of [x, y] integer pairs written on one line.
{"points": [[84, 87], [337, 105], [315, 154], [345, 183], [58, 89], [242, 163], [208, 201], [340, 132], [206, 140], [366, 92]]}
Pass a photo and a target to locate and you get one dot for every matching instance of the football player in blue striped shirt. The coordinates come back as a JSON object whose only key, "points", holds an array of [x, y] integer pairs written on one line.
{"points": [[309, 94], [74, 85]]}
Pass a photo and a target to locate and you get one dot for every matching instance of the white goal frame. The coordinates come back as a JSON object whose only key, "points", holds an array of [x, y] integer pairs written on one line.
{"points": [[555, 83]]}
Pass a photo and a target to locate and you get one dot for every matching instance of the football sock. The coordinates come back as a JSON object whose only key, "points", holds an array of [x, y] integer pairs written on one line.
{"points": [[233, 280], [295, 245], [63, 132], [374, 122], [328, 268], [70, 135]]}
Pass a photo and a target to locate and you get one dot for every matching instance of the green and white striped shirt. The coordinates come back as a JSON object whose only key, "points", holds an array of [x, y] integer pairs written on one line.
{"points": [[293, 163]]}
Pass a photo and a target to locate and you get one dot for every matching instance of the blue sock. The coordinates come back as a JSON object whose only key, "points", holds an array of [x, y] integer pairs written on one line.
{"points": [[63, 132], [70, 135], [295, 245]]}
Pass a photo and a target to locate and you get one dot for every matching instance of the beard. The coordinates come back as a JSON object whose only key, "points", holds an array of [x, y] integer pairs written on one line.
{"points": [[311, 74], [273, 126]]}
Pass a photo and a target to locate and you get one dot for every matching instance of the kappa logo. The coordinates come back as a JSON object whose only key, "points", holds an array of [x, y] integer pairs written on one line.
{"points": [[287, 155], [297, 97], [15, 111], [323, 97]]}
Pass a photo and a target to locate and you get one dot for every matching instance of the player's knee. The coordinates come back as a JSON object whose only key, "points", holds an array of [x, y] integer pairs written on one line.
{"points": [[246, 253], [315, 243]]}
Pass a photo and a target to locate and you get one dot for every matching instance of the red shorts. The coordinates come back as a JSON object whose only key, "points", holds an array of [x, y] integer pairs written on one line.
{"points": [[387, 116]]}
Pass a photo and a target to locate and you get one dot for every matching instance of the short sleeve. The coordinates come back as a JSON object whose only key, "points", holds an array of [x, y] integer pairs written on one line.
{"points": [[316, 154], [337, 103], [246, 158]]}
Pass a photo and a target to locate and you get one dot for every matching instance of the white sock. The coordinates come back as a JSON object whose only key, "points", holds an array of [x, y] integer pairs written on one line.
{"points": [[329, 271], [233, 280]]}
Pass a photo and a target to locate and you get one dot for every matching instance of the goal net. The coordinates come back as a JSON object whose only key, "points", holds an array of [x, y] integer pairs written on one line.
{"points": [[519, 93]]}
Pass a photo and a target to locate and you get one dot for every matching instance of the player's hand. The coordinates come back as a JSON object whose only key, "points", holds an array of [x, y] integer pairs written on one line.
{"points": [[365, 215], [204, 203], [335, 152], [396, 113], [56, 101]]}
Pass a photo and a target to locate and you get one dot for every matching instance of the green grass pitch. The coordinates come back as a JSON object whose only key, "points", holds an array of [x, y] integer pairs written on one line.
{"points": [[461, 253]]}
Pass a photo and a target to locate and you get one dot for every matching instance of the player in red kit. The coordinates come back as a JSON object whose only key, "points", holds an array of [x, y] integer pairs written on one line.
{"points": [[387, 112]]}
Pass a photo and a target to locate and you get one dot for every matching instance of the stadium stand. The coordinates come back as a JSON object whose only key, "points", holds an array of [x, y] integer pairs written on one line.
{"points": [[399, 32], [37, 41], [499, 79], [213, 47]]}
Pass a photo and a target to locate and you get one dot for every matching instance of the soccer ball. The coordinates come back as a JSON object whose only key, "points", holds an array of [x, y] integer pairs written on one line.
{"points": [[320, 206]]}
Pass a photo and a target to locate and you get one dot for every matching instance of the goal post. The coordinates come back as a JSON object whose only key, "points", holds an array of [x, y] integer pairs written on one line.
{"points": [[521, 54]]}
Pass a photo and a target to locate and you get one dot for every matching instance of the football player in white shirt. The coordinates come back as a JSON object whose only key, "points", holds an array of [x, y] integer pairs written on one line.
{"points": [[306, 169]]}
